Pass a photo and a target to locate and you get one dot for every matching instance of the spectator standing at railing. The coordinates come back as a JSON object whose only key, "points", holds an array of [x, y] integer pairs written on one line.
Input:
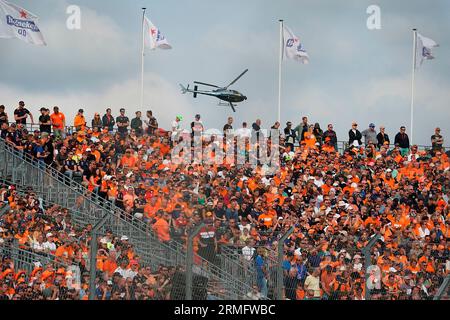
{"points": [[289, 135], [402, 139], [58, 120], [122, 123], [21, 114], [108, 120], [382, 138], [228, 126], [97, 122], [256, 132], [243, 132], [318, 133], [331, 134], [370, 135], [261, 272], [301, 129], [151, 123], [80, 121], [136, 124], [3, 115], [437, 141], [354, 136], [45, 124]]}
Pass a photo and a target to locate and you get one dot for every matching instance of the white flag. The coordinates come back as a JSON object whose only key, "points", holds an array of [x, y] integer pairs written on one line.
{"points": [[423, 49], [153, 38], [293, 48], [16, 22]]}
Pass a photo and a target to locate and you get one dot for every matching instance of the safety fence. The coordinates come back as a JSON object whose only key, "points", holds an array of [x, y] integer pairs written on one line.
{"points": [[341, 145], [204, 271], [26, 259], [278, 275], [88, 208]]}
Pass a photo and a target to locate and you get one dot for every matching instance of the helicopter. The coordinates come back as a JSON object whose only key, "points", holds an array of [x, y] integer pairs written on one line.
{"points": [[222, 93]]}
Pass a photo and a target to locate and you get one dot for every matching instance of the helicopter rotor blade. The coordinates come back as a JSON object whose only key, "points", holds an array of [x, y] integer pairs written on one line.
{"points": [[206, 84], [234, 81]]}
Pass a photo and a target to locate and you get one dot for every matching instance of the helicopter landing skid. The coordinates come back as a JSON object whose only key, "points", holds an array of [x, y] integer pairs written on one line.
{"points": [[229, 104]]}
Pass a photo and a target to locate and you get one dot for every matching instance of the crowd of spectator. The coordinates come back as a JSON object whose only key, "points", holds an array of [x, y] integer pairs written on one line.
{"points": [[335, 201], [50, 233]]}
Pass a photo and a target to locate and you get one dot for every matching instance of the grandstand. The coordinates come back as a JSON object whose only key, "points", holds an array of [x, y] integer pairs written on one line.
{"points": [[335, 222]]}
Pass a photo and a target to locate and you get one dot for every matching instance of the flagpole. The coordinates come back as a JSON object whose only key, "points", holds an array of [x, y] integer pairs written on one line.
{"points": [[412, 81], [142, 60], [279, 70]]}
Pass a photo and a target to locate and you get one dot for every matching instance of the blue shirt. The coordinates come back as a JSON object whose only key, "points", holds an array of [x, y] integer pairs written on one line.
{"points": [[301, 271], [286, 265], [259, 263]]}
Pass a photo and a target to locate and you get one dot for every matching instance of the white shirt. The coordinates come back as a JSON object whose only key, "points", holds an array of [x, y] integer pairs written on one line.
{"points": [[355, 142], [253, 296], [424, 232], [319, 182], [37, 246], [243, 132], [357, 266], [313, 283], [176, 125], [247, 226], [247, 252], [410, 156], [126, 273], [266, 181], [49, 246]]}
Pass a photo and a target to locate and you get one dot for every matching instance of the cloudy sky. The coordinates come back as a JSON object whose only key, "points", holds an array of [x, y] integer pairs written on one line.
{"points": [[354, 73]]}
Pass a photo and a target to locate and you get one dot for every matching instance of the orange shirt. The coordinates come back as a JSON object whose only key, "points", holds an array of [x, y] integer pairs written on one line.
{"points": [[326, 189], [79, 121], [267, 219], [161, 228], [150, 210], [371, 220], [58, 120], [62, 250], [129, 162]]}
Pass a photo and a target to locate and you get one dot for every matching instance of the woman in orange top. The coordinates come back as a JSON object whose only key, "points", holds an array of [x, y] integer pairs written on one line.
{"points": [[310, 138], [79, 122]]}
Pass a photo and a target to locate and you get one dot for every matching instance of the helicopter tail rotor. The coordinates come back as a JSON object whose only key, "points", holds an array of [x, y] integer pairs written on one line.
{"points": [[195, 91], [183, 89]]}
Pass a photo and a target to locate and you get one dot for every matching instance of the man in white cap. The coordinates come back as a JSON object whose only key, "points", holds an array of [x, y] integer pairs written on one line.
{"points": [[49, 245]]}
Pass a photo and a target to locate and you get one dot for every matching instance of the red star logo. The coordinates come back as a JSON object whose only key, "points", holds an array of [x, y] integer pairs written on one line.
{"points": [[23, 14], [153, 31]]}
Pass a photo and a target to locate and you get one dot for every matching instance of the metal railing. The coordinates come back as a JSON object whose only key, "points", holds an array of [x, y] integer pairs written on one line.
{"points": [[55, 187], [25, 258], [341, 145], [444, 290]]}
